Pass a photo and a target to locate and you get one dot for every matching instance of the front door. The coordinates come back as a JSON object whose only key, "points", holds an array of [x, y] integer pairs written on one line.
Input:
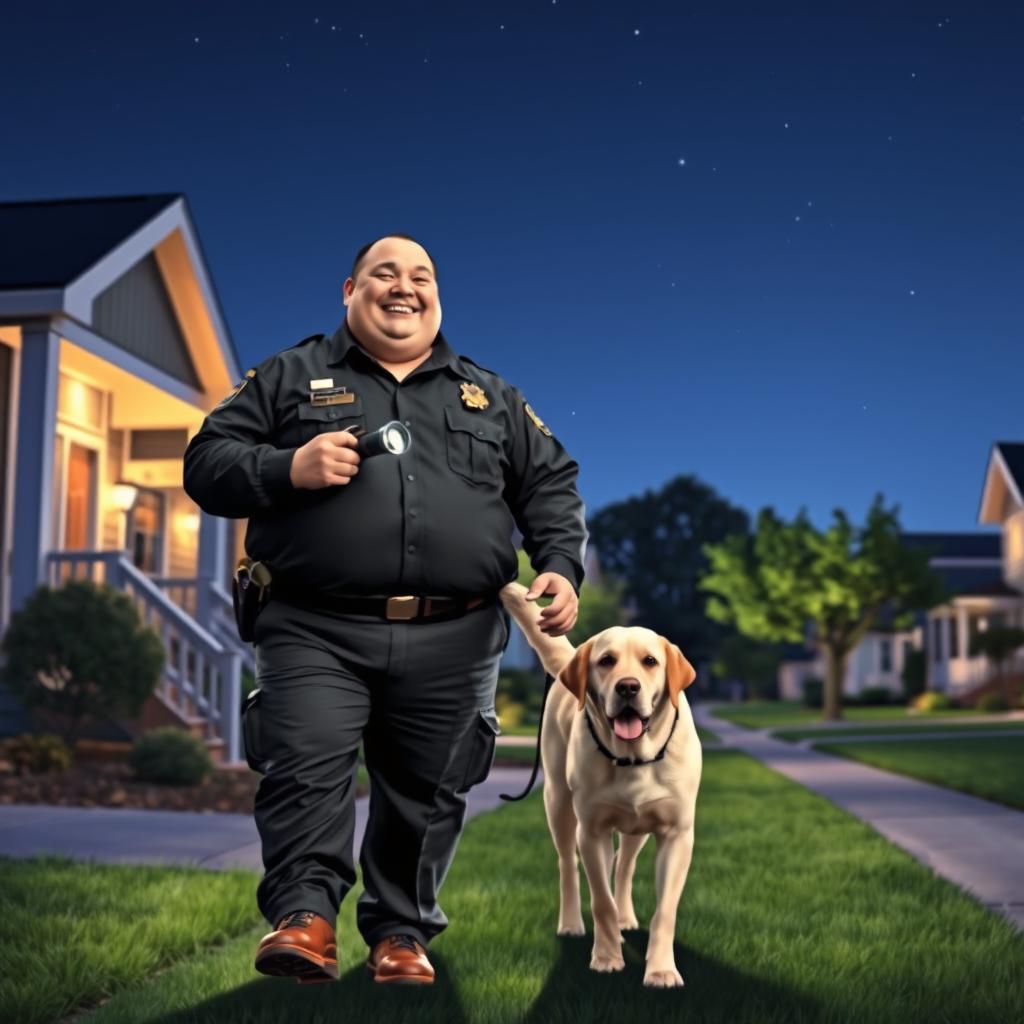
{"points": [[146, 531]]}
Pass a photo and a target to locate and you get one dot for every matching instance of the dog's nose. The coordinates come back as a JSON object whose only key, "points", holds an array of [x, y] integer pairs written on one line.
{"points": [[627, 687]]}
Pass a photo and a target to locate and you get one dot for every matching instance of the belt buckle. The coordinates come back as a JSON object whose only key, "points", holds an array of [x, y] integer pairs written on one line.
{"points": [[405, 606]]}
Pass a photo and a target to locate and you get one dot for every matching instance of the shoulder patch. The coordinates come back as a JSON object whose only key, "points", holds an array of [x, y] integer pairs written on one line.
{"points": [[537, 422], [249, 374]]}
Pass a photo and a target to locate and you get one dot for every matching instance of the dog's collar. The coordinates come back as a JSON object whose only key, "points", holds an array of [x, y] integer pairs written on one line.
{"points": [[629, 762]]}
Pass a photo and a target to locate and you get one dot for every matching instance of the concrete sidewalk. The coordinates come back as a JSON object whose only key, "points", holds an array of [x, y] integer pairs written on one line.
{"points": [[113, 835], [976, 844]]}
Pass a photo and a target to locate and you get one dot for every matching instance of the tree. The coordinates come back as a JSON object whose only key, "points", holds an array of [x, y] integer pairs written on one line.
{"points": [[787, 576], [654, 545], [751, 661], [79, 654], [999, 644]]}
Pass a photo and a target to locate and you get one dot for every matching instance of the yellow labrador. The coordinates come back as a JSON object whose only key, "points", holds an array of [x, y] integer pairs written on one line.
{"points": [[620, 754]]}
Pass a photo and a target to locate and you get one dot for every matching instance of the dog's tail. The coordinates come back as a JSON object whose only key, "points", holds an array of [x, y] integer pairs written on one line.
{"points": [[555, 652]]}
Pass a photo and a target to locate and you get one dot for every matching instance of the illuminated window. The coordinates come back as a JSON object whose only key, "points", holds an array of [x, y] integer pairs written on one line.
{"points": [[79, 403]]}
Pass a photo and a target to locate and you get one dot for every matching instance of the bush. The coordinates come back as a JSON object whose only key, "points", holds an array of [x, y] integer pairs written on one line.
{"points": [[876, 695], [509, 711], [524, 687], [80, 653], [992, 702], [932, 701], [31, 752], [814, 692], [170, 756], [913, 676]]}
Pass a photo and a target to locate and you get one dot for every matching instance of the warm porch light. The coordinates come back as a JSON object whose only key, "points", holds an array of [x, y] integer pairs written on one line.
{"points": [[124, 496], [189, 521]]}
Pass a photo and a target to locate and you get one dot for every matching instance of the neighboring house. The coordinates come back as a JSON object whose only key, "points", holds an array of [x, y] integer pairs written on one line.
{"points": [[113, 348], [970, 565]]}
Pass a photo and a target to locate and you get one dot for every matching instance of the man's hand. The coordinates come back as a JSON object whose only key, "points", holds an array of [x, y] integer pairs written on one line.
{"points": [[328, 459], [559, 616]]}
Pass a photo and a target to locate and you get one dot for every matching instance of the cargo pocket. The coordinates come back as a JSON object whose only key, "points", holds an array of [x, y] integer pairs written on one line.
{"points": [[473, 446], [479, 746], [251, 731]]}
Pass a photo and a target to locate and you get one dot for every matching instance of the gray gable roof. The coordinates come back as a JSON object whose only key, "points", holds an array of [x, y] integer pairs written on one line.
{"points": [[957, 545], [49, 243]]}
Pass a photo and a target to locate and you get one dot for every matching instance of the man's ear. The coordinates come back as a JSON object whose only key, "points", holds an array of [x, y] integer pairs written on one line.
{"points": [[679, 673], [576, 674]]}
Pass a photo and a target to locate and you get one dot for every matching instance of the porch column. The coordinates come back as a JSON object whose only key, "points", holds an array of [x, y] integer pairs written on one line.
{"points": [[33, 489], [213, 556], [961, 631]]}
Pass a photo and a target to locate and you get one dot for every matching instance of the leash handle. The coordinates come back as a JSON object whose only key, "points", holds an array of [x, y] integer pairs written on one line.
{"points": [[548, 680]]}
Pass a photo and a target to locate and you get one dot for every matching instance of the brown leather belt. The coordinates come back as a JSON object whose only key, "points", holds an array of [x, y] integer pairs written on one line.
{"points": [[401, 608]]}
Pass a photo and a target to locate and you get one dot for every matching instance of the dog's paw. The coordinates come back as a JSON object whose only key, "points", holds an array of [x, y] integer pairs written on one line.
{"points": [[663, 979], [607, 963], [572, 928], [628, 921]]}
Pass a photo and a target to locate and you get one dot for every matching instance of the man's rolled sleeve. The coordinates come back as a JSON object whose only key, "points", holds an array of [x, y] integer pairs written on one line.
{"points": [[541, 494], [231, 467]]}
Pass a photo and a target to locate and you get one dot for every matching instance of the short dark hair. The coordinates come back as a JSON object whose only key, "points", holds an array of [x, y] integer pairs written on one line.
{"points": [[369, 245]]}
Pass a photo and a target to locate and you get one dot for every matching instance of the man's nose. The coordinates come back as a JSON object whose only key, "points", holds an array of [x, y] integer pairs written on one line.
{"points": [[628, 688]]}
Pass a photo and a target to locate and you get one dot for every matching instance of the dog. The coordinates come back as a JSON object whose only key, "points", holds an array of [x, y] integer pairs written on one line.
{"points": [[620, 754]]}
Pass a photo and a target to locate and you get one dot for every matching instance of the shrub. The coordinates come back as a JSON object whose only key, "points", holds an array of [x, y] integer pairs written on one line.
{"points": [[170, 756], [523, 687], [80, 653], [876, 695], [814, 691], [31, 752], [913, 676], [509, 711], [932, 701], [992, 702]]}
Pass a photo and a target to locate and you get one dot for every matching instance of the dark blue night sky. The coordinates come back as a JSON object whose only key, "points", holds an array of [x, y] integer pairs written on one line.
{"points": [[779, 250]]}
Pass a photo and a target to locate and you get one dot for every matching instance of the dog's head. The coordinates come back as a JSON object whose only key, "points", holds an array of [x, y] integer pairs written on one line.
{"points": [[628, 670]]}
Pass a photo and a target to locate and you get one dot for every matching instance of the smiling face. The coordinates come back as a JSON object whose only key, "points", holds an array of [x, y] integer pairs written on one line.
{"points": [[629, 673], [394, 308]]}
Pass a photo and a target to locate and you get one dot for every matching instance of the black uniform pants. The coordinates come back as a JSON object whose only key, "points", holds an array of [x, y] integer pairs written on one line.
{"points": [[420, 697]]}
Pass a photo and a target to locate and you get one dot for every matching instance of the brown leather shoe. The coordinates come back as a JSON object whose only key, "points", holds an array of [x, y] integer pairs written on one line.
{"points": [[302, 947], [400, 960]]}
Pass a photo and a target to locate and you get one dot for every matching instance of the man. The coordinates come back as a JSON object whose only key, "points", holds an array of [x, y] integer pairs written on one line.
{"points": [[383, 625]]}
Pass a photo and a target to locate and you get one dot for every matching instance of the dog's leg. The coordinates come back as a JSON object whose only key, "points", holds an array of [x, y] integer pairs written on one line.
{"points": [[625, 863], [596, 851], [562, 826], [675, 851]]}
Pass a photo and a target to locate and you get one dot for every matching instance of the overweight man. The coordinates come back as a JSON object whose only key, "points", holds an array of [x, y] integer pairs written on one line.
{"points": [[383, 625]]}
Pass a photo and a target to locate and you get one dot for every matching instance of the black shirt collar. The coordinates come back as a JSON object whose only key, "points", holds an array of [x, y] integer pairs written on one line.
{"points": [[342, 342]]}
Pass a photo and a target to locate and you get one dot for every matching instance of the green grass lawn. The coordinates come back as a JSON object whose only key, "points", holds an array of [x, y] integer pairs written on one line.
{"points": [[766, 714], [990, 768], [903, 729], [794, 911]]}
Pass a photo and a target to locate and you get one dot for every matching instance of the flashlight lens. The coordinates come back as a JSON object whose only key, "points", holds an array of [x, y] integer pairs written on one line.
{"points": [[394, 441]]}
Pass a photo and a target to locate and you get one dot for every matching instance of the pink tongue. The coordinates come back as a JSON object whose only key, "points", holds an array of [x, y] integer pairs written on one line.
{"points": [[627, 726]]}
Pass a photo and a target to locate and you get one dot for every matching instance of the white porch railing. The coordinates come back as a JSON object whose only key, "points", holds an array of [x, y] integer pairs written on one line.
{"points": [[202, 673]]}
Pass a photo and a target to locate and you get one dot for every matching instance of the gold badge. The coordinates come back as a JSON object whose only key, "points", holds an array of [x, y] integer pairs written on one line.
{"points": [[473, 396], [536, 420]]}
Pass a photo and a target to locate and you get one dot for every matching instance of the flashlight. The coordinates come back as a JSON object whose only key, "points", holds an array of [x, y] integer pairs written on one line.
{"points": [[393, 437]]}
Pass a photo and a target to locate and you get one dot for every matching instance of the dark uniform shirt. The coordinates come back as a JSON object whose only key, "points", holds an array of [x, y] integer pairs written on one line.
{"points": [[436, 520]]}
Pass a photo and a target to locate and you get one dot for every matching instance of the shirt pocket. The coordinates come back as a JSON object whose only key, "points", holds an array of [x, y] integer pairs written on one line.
{"points": [[474, 447], [318, 419]]}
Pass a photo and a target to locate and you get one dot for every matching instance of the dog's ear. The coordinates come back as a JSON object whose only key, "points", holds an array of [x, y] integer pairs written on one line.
{"points": [[679, 673], [576, 674]]}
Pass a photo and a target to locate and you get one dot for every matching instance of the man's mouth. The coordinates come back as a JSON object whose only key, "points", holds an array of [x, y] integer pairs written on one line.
{"points": [[398, 309], [628, 725]]}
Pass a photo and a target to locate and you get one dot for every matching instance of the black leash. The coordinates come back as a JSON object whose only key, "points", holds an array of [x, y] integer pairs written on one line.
{"points": [[548, 680]]}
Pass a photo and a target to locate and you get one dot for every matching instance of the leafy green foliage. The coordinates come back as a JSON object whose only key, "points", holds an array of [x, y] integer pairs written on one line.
{"points": [[30, 752], [170, 756], [80, 653]]}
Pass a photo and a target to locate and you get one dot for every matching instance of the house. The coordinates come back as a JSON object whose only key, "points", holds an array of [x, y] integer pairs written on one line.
{"points": [[970, 566], [113, 347]]}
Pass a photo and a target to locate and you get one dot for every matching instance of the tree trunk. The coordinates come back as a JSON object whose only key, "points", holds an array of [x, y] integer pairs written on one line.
{"points": [[835, 669]]}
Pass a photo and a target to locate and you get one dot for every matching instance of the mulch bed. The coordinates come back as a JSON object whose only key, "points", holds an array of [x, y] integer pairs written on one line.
{"points": [[111, 784]]}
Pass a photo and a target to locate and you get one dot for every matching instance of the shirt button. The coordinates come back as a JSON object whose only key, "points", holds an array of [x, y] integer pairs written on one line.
{"points": [[410, 476], [480, 433], [413, 512], [412, 548], [407, 423]]}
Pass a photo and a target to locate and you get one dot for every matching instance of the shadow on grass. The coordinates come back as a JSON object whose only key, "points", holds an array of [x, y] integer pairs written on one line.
{"points": [[712, 990], [354, 997]]}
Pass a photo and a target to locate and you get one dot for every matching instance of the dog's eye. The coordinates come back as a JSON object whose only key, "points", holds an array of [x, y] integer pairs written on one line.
{"points": [[650, 660], [606, 659]]}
